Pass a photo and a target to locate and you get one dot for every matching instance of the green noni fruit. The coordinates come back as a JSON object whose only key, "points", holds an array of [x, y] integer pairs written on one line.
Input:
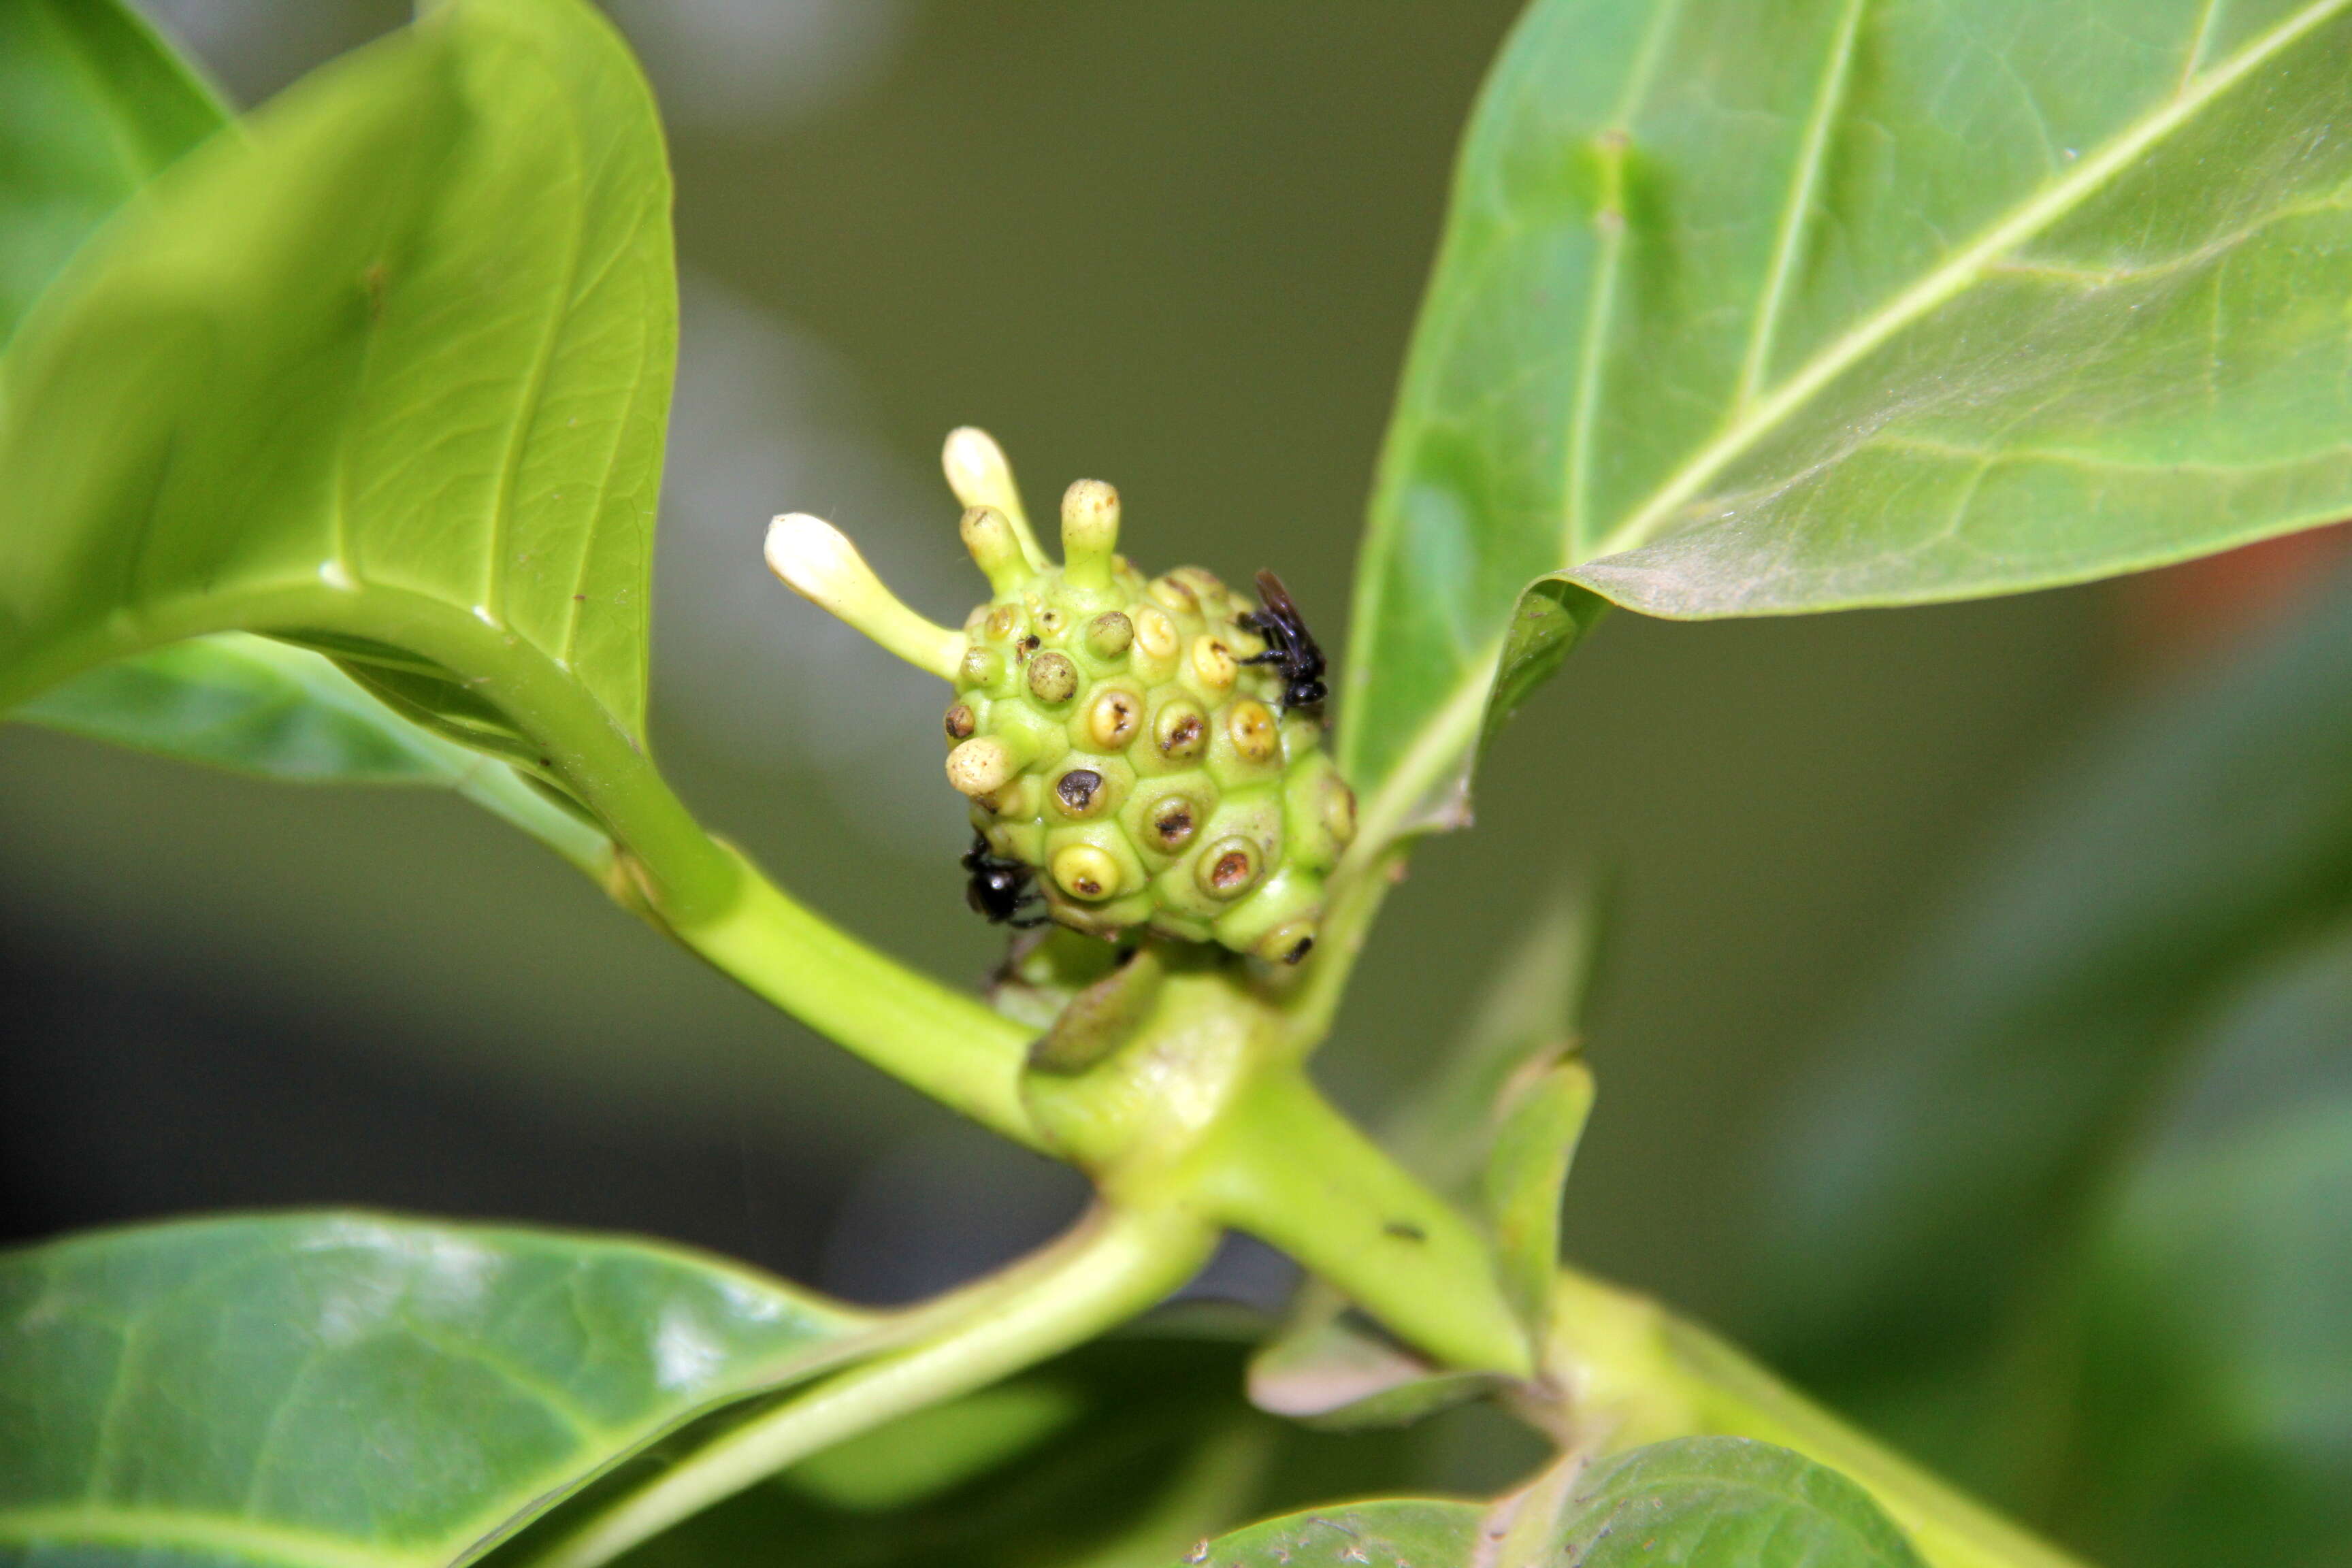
{"points": [[1107, 730]]}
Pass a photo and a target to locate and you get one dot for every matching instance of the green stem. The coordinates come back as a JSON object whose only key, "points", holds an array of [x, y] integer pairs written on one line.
{"points": [[943, 1042], [1286, 1167], [1649, 1375], [1115, 1264]]}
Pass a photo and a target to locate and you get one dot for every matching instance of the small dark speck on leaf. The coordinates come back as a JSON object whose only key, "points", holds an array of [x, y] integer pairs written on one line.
{"points": [[1405, 1230]]}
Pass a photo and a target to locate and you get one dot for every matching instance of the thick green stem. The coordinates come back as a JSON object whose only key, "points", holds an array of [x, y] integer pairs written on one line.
{"points": [[1641, 1375], [1286, 1167], [941, 1041], [1116, 1264]]}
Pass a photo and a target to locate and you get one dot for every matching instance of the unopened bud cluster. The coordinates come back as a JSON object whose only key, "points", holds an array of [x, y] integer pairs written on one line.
{"points": [[1106, 728]]}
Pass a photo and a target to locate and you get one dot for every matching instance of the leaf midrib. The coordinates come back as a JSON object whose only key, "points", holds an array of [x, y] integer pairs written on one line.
{"points": [[1953, 275]]}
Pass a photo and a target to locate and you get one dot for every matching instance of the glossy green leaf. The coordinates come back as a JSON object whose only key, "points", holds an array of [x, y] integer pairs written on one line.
{"points": [[1121, 1453], [387, 376], [1696, 1502], [352, 1391], [1388, 1532], [2211, 1414], [93, 106], [1766, 306], [235, 700], [1928, 1169], [1724, 1502]]}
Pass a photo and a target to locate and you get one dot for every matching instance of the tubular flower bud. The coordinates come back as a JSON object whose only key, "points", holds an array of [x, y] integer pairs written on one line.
{"points": [[980, 475], [1123, 741], [821, 565]]}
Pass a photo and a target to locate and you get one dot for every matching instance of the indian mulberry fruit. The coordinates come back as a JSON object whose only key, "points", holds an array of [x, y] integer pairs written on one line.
{"points": [[1125, 739]]}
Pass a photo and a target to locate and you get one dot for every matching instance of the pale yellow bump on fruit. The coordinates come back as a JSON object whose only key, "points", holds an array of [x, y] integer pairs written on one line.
{"points": [[1214, 663], [1339, 811], [1085, 872], [1155, 634], [1287, 943], [1179, 729], [1113, 718], [983, 764], [1256, 736]]}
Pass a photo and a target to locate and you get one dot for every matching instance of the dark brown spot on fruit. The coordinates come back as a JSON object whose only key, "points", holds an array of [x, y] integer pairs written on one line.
{"points": [[961, 722], [1077, 789], [1172, 822]]}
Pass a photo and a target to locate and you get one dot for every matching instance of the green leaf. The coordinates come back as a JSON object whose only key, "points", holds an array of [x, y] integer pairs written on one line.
{"points": [[352, 1391], [1526, 1177], [1700, 1502], [1957, 1136], [93, 106], [1124, 1452], [2211, 1414], [1724, 1502], [1750, 307], [1444, 1129], [1389, 1532], [386, 377], [239, 701]]}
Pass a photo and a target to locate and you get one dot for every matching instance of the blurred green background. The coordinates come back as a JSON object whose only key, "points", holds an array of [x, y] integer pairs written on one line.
{"points": [[1178, 248]]}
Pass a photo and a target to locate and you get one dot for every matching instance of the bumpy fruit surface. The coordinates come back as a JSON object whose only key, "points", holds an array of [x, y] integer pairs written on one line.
{"points": [[1108, 733]]}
